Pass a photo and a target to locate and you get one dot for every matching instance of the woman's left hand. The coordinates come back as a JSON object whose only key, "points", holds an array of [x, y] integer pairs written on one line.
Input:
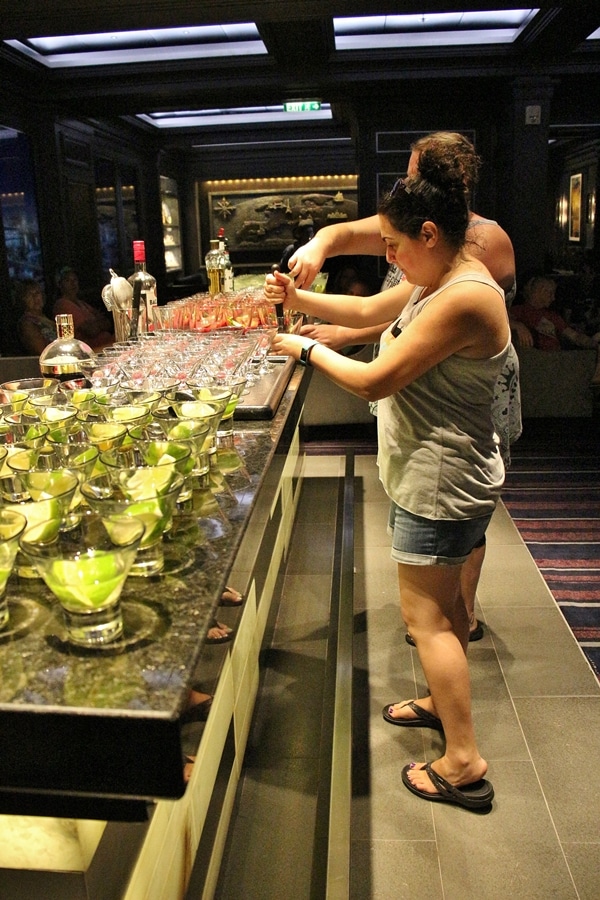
{"points": [[288, 345]]}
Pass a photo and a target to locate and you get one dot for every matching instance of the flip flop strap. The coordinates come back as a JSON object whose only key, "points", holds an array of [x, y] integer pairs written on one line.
{"points": [[444, 787], [423, 714]]}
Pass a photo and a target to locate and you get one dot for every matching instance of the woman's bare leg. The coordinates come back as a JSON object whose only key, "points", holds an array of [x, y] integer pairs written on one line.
{"points": [[469, 580], [437, 619]]}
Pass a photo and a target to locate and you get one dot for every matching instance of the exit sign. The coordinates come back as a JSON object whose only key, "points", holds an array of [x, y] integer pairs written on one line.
{"points": [[301, 106]]}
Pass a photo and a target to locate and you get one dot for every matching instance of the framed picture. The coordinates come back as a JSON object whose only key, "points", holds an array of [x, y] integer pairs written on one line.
{"points": [[265, 219], [575, 207]]}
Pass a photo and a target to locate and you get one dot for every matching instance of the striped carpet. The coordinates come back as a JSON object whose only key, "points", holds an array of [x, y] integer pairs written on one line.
{"points": [[552, 492]]}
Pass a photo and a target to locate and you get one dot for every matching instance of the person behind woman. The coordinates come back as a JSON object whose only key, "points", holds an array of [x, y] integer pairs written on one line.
{"points": [[91, 325], [35, 329], [438, 457]]}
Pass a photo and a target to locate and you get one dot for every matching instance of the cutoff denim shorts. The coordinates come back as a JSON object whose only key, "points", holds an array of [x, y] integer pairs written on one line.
{"points": [[434, 542]]}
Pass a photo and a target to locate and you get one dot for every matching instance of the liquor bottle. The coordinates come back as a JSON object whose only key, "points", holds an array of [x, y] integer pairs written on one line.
{"points": [[66, 357], [227, 267], [215, 268], [144, 292]]}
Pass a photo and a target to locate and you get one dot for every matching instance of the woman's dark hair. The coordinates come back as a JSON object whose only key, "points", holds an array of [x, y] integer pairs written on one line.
{"points": [[436, 194], [22, 289]]}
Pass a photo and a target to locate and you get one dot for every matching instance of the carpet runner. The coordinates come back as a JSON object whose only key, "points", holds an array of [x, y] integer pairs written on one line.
{"points": [[552, 492]]}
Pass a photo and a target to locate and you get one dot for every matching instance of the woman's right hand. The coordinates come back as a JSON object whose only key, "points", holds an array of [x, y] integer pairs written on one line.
{"points": [[279, 288]]}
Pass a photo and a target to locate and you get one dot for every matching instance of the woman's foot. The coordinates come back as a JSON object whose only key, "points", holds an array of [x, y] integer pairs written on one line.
{"points": [[198, 707], [417, 711], [467, 788], [231, 597], [456, 776], [218, 633], [475, 632], [188, 767]]}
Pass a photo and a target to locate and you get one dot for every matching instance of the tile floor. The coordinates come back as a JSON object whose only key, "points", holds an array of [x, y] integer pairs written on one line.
{"points": [[537, 716]]}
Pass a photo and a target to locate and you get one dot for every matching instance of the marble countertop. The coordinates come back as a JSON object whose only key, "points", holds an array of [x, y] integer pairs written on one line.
{"points": [[80, 720]]}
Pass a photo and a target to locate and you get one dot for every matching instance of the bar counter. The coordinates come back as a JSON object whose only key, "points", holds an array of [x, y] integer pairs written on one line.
{"points": [[96, 734]]}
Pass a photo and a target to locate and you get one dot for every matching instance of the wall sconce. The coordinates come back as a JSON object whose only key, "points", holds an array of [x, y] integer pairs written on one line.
{"points": [[590, 212], [562, 212]]}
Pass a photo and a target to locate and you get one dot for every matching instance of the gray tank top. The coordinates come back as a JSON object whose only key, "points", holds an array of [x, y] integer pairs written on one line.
{"points": [[438, 451]]}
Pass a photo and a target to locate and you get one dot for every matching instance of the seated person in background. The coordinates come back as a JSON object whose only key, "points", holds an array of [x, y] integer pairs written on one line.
{"points": [[582, 301], [544, 328], [91, 325], [35, 329]]}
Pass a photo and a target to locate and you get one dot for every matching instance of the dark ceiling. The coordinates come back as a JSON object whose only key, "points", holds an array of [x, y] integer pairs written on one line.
{"points": [[301, 60]]}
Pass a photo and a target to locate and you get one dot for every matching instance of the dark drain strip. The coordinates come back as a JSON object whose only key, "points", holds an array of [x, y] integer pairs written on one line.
{"points": [[331, 869]]}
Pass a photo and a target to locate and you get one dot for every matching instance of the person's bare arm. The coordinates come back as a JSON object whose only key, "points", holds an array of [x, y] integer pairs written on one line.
{"points": [[579, 339], [31, 337], [339, 309], [338, 336], [361, 237]]}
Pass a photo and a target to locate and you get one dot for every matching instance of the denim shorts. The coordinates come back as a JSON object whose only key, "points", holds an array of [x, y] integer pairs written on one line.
{"points": [[433, 542]]}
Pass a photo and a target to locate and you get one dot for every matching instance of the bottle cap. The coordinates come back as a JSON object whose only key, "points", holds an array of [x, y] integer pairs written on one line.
{"points": [[139, 251]]}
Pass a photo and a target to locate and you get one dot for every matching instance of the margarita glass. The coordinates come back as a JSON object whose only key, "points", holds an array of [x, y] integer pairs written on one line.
{"points": [[86, 569], [12, 526], [149, 498]]}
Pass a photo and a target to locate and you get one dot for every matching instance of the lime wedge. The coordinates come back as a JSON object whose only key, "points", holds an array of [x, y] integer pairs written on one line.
{"points": [[147, 483], [88, 582], [191, 409]]}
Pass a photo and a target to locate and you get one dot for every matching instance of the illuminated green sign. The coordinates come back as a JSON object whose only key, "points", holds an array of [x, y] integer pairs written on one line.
{"points": [[301, 106]]}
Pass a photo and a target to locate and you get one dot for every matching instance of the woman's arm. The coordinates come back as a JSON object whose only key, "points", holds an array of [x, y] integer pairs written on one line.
{"points": [[338, 336], [32, 339], [468, 323], [360, 237], [339, 309]]}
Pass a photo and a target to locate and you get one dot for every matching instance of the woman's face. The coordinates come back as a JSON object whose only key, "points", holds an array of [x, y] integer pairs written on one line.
{"points": [[34, 300], [405, 252], [70, 283]]}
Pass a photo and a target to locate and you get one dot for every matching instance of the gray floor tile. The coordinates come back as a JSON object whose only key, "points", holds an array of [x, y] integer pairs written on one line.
{"points": [[538, 653], [508, 854], [395, 870], [562, 737], [510, 578], [584, 862]]}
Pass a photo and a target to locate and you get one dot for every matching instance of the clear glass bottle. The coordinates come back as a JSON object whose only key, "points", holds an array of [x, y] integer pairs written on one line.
{"points": [[227, 267], [66, 357], [144, 291], [215, 269]]}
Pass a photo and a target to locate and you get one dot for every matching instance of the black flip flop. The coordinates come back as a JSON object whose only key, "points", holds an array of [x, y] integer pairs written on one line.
{"points": [[424, 718], [475, 796], [474, 635]]}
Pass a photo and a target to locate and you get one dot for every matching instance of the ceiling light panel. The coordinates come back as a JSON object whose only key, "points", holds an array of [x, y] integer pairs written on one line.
{"points": [[431, 29], [121, 47], [250, 115]]}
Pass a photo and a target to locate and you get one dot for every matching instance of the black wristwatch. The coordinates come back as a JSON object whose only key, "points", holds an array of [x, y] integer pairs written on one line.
{"points": [[305, 353]]}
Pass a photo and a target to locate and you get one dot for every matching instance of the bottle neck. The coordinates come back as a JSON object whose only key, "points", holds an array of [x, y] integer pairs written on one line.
{"points": [[64, 326]]}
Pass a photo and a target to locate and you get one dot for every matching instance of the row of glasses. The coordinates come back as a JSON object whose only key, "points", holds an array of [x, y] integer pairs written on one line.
{"points": [[81, 432]]}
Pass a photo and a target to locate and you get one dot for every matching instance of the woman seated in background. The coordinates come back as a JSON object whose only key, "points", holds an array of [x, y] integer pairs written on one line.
{"points": [[539, 326], [91, 325], [35, 329]]}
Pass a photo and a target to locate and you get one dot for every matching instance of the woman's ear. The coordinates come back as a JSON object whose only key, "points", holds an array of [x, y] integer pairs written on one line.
{"points": [[429, 233]]}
